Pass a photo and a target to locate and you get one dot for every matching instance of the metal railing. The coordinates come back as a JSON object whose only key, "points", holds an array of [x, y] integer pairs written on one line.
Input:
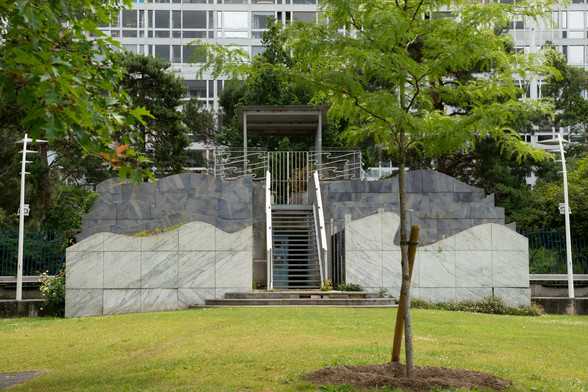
{"points": [[44, 251], [268, 232], [336, 164], [547, 255], [319, 218]]}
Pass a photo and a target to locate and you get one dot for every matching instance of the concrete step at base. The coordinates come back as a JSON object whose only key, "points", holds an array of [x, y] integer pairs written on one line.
{"points": [[349, 302]]}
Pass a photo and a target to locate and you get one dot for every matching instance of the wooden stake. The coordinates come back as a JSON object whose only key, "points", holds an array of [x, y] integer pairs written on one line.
{"points": [[412, 247]]}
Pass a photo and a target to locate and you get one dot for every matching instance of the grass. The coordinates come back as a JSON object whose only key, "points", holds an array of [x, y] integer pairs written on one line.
{"points": [[269, 349]]}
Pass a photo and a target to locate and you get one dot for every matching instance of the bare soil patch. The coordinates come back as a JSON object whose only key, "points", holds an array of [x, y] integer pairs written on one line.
{"points": [[393, 375]]}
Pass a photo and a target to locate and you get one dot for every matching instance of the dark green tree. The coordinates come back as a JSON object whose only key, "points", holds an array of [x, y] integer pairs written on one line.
{"points": [[149, 83]]}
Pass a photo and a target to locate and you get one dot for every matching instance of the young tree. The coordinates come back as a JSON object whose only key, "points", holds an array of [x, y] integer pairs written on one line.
{"points": [[149, 83], [64, 81], [389, 66]]}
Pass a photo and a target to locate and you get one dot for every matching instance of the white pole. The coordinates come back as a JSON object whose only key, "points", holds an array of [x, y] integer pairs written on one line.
{"points": [[21, 212], [567, 222]]}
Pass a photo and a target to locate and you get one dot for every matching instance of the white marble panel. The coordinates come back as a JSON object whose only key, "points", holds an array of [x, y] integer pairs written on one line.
{"points": [[188, 297], [364, 234], [364, 268], [234, 269], [242, 239], [197, 236], [442, 245], [223, 240], [197, 269], [446, 294], [82, 303], [122, 270], [476, 238], [121, 243], [85, 270], [514, 296], [93, 243], [392, 267], [167, 241], [473, 269], [436, 268], [154, 300], [390, 226], [472, 293], [394, 291], [510, 269], [122, 301], [504, 238], [159, 270]]}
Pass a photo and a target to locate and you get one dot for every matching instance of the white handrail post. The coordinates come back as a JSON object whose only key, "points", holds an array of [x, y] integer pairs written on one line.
{"points": [[268, 231], [321, 218], [567, 222]]}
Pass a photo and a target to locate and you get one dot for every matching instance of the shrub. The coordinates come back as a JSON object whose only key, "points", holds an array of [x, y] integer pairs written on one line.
{"points": [[53, 289], [490, 305], [350, 287], [327, 285]]}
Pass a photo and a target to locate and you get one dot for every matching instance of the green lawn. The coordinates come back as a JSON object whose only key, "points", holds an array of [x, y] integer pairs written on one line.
{"points": [[267, 349]]}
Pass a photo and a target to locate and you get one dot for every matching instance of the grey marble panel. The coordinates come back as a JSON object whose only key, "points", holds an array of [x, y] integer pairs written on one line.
{"points": [[203, 205], [472, 293], [514, 296], [106, 199], [364, 268], [85, 270], [413, 182], [89, 224], [239, 185], [144, 192], [197, 269], [467, 197], [177, 181], [454, 226], [197, 236], [167, 208], [234, 269], [437, 294], [161, 242], [205, 183], [112, 185], [189, 297], [462, 187], [434, 182], [122, 270], [94, 243], [475, 238], [132, 224], [101, 213], [418, 202], [122, 301], [464, 212], [364, 234], [436, 268], [156, 300], [133, 209], [174, 197], [487, 212], [239, 240], [228, 210], [121, 243], [504, 238], [83, 302], [473, 268], [477, 222], [510, 268], [159, 270]]}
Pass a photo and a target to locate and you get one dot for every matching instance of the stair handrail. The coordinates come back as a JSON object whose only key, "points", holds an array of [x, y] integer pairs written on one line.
{"points": [[321, 229], [268, 231]]}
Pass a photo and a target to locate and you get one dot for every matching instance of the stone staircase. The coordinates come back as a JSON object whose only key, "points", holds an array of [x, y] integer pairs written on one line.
{"points": [[303, 298]]}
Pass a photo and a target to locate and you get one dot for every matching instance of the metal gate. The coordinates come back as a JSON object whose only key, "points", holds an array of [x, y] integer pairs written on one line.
{"points": [[289, 181]]}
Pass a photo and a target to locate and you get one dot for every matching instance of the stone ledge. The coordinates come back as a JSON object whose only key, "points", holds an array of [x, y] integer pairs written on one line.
{"points": [[25, 308], [559, 305]]}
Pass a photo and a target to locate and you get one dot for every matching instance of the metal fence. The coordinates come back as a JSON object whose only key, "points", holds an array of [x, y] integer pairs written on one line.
{"points": [[44, 251], [547, 252]]}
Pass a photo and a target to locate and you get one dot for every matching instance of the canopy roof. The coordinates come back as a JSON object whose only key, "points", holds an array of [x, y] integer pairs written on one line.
{"points": [[282, 120]]}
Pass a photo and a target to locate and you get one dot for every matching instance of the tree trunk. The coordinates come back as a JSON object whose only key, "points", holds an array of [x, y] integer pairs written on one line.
{"points": [[405, 268]]}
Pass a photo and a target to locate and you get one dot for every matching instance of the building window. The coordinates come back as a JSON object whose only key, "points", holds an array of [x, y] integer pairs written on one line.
{"points": [[161, 19], [194, 19]]}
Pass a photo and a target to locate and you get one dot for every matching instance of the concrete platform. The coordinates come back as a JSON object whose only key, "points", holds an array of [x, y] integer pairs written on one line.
{"points": [[10, 308]]}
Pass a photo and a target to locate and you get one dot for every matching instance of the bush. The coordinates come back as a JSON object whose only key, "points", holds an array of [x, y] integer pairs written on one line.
{"points": [[53, 289], [350, 287], [490, 305]]}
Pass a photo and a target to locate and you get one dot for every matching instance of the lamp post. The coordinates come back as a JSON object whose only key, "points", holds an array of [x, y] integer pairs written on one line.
{"points": [[22, 211], [548, 146]]}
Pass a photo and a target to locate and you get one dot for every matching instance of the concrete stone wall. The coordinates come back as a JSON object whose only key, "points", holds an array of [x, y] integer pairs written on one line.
{"points": [[479, 262], [125, 208], [109, 273]]}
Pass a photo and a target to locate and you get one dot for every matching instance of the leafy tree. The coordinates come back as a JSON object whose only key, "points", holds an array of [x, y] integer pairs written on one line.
{"points": [[67, 212], [199, 121], [566, 90], [542, 209], [393, 75], [149, 83], [64, 82]]}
